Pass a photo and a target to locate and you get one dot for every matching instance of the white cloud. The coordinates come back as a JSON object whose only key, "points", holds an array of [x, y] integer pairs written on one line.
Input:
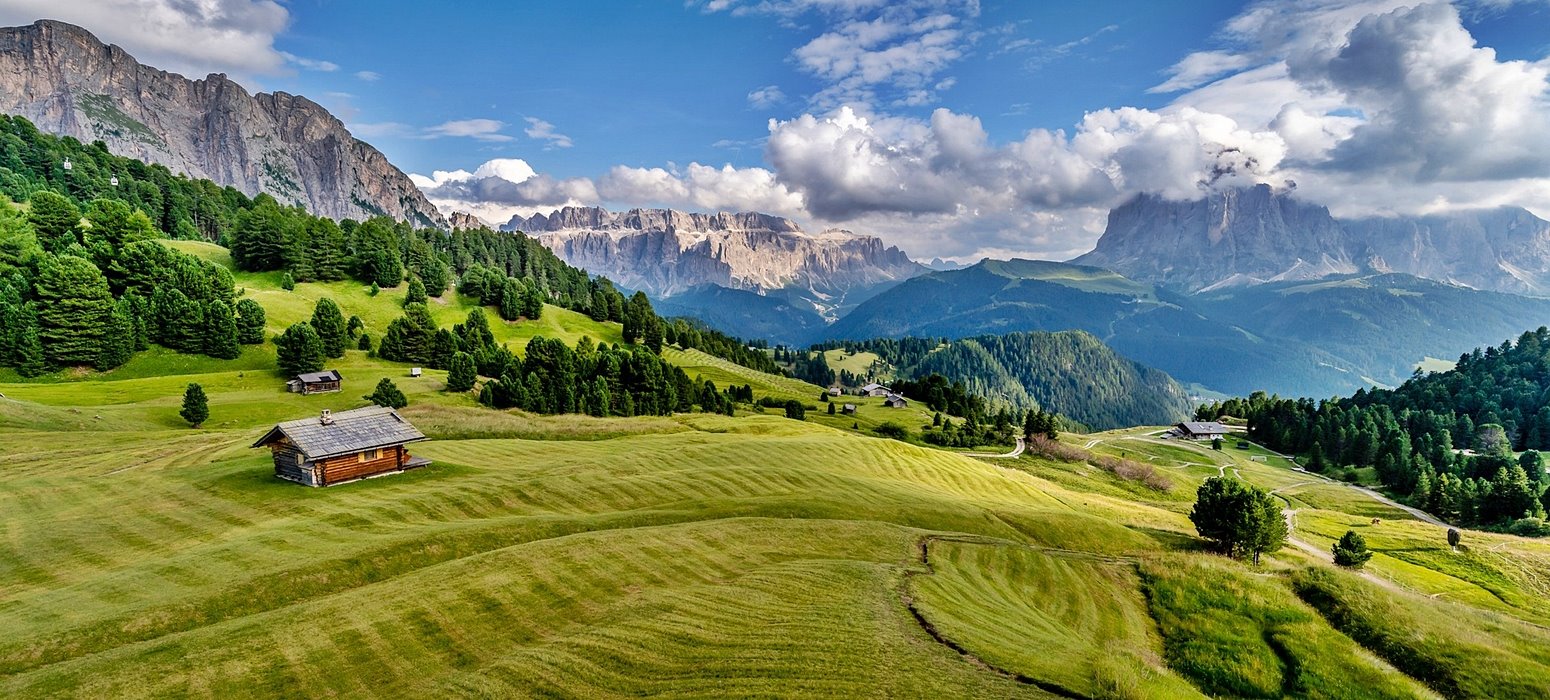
{"points": [[870, 50], [765, 97], [544, 131], [310, 63], [480, 129], [193, 38], [1200, 67], [368, 76], [502, 188]]}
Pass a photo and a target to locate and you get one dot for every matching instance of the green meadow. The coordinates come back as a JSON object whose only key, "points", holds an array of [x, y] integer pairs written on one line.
{"points": [[688, 556]]}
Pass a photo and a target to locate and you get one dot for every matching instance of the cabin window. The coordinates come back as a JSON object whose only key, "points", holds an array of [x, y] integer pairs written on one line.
{"points": [[370, 455], [299, 458]]}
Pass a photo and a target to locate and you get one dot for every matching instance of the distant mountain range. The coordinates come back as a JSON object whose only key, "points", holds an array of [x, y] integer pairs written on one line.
{"points": [[1310, 338], [1257, 235], [60, 77], [674, 255]]}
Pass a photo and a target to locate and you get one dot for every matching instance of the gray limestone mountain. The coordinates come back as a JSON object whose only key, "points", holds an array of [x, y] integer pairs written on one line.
{"points": [[60, 77], [666, 253], [1259, 235]]}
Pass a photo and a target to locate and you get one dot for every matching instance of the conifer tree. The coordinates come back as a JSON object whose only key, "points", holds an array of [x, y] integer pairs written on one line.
{"points": [[328, 321], [1351, 551], [250, 322], [220, 337], [299, 350], [55, 220], [387, 395], [461, 374], [118, 340], [196, 407], [416, 293], [511, 299], [29, 356], [74, 306]]}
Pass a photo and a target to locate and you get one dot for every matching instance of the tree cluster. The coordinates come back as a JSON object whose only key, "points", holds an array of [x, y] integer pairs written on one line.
{"points": [[1238, 519], [1451, 440]]}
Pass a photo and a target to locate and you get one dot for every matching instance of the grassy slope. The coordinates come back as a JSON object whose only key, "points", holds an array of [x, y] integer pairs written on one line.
{"points": [[684, 556]]}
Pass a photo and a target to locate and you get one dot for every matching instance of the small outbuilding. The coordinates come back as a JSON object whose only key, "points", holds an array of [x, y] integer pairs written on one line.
{"points": [[1200, 431], [835, 391], [875, 389], [333, 448], [848, 409], [896, 401], [327, 381]]}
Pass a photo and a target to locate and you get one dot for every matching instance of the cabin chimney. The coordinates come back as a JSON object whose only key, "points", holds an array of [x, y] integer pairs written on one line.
{"points": [[327, 418]]}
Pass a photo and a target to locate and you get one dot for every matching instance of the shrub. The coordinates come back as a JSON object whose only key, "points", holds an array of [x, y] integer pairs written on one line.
{"points": [[1351, 551], [287, 282], [892, 430], [387, 394]]}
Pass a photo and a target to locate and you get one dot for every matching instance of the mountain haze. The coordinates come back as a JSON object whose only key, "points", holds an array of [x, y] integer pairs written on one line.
{"points": [[60, 77]]}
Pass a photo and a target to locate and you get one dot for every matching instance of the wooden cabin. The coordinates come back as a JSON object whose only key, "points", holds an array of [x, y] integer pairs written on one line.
{"points": [[333, 448], [896, 401], [874, 389], [328, 380], [1199, 430]]}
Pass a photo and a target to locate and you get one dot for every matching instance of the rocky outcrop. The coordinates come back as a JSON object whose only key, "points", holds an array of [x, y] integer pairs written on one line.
{"points": [[465, 220], [67, 82], [666, 252], [1255, 235], [1234, 237]]}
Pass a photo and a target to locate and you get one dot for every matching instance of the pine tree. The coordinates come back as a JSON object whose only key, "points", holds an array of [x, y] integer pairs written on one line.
{"points": [[653, 334], [299, 350], [196, 407], [260, 240], [74, 307], [250, 322], [388, 395], [55, 220], [220, 337], [118, 341], [328, 321], [511, 300], [416, 293], [287, 281], [1241, 520], [364, 343], [461, 375], [1351, 551], [533, 303], [28, 351]]}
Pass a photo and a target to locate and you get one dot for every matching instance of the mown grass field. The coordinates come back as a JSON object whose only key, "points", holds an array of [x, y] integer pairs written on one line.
{"points": [[686, 556]]}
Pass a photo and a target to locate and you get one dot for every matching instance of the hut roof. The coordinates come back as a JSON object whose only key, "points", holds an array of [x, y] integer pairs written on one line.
{"points": [[345, 432], [327, 375]]}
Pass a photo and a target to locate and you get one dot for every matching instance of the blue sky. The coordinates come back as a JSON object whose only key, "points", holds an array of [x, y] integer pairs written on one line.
{"points": [[955, 128]]}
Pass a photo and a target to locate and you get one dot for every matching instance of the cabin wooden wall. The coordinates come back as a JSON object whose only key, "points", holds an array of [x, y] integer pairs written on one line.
{"points": [[286, 465], [345, 467]]}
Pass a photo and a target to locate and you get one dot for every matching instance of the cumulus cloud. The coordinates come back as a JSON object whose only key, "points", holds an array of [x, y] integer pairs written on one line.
{"points": [[544, 131], [481, 129], [193, 38], [502, 188]]}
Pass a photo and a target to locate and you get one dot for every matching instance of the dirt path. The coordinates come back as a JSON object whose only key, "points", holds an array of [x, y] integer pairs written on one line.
{"points": [[1325, 555], [1014, 454]]}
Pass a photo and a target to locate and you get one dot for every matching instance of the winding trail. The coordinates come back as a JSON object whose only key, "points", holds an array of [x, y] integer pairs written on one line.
{"points": [[1014, 454]]}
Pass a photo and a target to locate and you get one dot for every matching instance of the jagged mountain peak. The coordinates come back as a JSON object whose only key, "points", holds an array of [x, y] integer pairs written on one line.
{"points": [[634, 220], [66, 81]]}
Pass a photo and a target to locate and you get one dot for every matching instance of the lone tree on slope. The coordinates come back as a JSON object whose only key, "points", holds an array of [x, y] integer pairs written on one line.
{"points": [[196, 407], [388, 395], [1351, 551], [1239, 519]]}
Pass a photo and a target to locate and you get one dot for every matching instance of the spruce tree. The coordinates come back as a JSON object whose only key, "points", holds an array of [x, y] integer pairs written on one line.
{"points": [[461, 375], [416, 293], [262, 237], [511, 299], [196, 407], [250, 322], [364, 342], [328, 321], [28, 351], [1240, 520], [299, 350], [287, 281], [388, 395], [74, 307], [220, 337], [533, 303]]}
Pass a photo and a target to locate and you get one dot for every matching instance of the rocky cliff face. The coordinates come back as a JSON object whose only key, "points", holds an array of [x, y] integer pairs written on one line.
{"points": [[1240, 236], [67, 82], [1504, 250], [1255, 235], [666, 252]]}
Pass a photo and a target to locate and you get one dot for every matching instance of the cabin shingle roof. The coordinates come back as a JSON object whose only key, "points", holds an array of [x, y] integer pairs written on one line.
{"points": [[347, 432], [328, 375], [1211, 428]]}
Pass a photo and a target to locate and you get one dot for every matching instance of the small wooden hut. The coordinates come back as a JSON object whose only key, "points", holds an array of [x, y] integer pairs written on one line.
{"points": [[333, 448], [316, 382]]}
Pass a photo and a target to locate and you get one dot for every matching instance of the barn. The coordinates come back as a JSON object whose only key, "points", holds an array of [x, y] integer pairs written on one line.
{"points": [[333, 448]]}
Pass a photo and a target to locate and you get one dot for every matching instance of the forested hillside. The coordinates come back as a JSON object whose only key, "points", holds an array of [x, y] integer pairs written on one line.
{"points": [[1464, 444], [82, 281], [1071, 373]]}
